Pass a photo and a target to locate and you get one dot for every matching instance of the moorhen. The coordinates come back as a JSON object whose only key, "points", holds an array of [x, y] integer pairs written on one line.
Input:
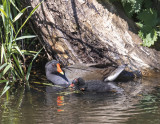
{"points": [[95, 86], [55, 74], [88, 72]]}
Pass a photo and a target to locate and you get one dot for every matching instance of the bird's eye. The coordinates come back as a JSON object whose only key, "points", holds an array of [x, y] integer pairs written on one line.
{"points": [[53, 65]]}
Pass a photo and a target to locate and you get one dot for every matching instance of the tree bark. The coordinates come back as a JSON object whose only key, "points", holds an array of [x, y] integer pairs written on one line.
{"points": [[92, 31]]}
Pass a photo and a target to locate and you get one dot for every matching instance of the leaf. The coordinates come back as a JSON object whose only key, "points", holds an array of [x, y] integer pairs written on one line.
{"points": [[149, 17], [30, 65], [18, 49], [3, 55], [4, 13], [5, 89], [31, 13], [5, 70], [128, 9], [132, 6], [136, 5], [140, 25], [29, 52], [3, 81], [146, 29], [20, 14], [15, 72], [8, 20], [44, 83], [14, 5], [25, 37], [18, 63], [2, 66], [149, 38]]}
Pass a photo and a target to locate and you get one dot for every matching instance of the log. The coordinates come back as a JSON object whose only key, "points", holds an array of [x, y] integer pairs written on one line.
{"points": [[92, 31]]}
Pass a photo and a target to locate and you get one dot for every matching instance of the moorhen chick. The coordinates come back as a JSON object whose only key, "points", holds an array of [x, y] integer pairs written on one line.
{"points": [[95, 86]]}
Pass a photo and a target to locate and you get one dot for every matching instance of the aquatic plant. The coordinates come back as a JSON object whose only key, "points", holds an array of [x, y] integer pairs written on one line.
{"points": [[12, 58]]}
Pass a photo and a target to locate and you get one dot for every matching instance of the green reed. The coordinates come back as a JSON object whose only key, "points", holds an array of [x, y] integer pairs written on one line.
{"points": [[12, 57]]}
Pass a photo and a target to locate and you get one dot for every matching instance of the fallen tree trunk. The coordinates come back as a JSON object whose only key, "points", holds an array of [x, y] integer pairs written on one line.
{"points": [[90, 31]]}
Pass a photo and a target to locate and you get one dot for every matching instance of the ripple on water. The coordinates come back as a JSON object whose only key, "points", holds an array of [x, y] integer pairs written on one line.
{"points": [[48, 107]]}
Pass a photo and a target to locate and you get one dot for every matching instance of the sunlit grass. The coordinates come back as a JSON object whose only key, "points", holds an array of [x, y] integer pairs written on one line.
{"points": [[12, 58]]}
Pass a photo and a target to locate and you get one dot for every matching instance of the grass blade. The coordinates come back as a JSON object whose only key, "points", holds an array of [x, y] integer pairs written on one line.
{"points": [[14, 5], [7, 19], [3, 55], [2, 66], [31, 13], [5, 89], [5, 70], [25, 37], [18, 49], [18, 64], [16, 72], [47, 84], [29, 52], [3, 12], [30, 66], [3, 81], [20, 14]]}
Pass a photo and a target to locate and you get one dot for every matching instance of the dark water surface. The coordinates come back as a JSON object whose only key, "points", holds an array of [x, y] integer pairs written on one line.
{"points": [[138, 104]]}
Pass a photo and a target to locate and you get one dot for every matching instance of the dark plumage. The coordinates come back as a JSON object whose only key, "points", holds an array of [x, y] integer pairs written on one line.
{"points": [[95, 86], [55, 74], [88, 72]]}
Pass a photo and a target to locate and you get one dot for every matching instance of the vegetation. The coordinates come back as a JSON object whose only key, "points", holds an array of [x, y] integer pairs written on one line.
{"points": [[12, 62], [145, 13], [13, 67]]}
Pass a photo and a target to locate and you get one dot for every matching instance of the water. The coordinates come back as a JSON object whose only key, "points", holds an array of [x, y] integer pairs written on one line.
{"points": [[138, 104]]}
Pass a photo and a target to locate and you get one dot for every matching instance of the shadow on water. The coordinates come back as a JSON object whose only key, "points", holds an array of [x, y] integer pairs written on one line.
{"points": [[138, 103]]}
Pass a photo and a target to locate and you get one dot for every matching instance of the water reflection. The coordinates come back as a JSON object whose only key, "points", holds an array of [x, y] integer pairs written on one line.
{"points": [[139, 103]]}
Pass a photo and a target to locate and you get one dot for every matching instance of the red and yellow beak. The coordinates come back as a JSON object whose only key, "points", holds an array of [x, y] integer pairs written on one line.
{"points": [[71, 85], [59, 69]]}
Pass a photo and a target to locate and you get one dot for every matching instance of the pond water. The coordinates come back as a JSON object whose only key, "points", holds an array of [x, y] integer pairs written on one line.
{"points": [[44, 105]]}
